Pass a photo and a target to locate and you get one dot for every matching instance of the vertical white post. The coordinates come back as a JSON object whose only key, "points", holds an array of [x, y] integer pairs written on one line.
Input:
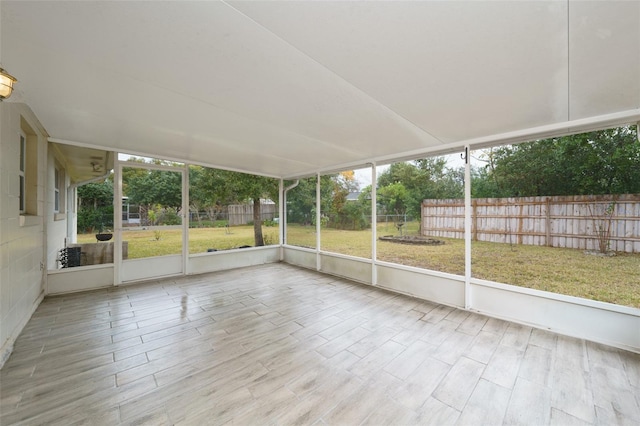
{"points": [[72, 235], [185, 219], [318, 228], [374, 225], [117, 220], [467, 228], [282, 218]]}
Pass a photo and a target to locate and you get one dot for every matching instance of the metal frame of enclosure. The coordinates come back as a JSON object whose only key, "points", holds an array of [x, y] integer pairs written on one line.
{"points": [[598, 321]]}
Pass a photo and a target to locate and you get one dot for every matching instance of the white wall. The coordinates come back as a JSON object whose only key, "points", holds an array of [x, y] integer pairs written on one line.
{"points": [[298, 256], [430, 285], [353, 268], [601, 322], [70, 280], [22, 260], [230, 259]]}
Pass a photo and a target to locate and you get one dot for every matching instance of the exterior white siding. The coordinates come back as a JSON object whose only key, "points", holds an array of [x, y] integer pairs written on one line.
{"points": [[22, 247]]}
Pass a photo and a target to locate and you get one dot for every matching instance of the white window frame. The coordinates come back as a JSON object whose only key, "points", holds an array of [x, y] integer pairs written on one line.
{"points": [[57, 174], [22, 173]]}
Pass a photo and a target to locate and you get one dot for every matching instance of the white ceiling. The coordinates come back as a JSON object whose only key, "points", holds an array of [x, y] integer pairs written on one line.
{"points": [[287, 88], [85, 164]]}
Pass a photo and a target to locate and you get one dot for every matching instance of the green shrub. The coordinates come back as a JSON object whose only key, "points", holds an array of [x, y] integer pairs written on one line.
{"points": [[94, 220], [169, 217]]}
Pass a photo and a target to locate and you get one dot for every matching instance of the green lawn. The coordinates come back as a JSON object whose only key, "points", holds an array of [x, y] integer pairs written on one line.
{"points": [[610, 279], [146, 243]]}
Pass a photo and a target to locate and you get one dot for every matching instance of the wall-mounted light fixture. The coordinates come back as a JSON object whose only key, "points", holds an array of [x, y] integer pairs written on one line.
{"points": [[96, 166], [6, 84]]}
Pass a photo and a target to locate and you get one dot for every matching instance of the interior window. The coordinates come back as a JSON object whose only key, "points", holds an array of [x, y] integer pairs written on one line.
{"points": [[21, 172]]}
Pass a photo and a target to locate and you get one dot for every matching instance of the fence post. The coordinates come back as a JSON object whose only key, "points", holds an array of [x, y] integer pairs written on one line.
{"points": [[547, 223], [474, 215], [520, 231]]}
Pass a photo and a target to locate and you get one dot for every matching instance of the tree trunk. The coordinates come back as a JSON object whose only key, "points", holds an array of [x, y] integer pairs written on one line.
{"points": [[196, 208], [257, 223]]}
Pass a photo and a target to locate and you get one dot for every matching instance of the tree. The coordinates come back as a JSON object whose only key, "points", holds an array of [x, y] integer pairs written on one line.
{"points": [[483, 184], [343, 184], [602, 162], [422, 179], [95, 206], [394, 198], [254, 188], [599, 162], [95, 194], [354, 215], [301, 200], [160, 190], [196, 197], [223, 187], [158, 193], [200, 196], [159, 187], [412, 178], [128, 173]]}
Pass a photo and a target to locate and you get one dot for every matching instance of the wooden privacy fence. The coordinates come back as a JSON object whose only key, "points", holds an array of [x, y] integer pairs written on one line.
{"points": [[563, 221], [242, 214]]}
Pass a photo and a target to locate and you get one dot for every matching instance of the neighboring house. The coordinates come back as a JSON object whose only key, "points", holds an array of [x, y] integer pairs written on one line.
{"points": [[130, 213], [353, 196]]}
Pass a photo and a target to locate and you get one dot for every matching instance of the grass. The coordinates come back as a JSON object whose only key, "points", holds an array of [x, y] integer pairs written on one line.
{"points": [[571, 272], [148, 243]]}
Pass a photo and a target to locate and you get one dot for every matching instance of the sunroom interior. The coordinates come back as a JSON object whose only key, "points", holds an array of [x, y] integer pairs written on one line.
{"points": [[292, 91]]}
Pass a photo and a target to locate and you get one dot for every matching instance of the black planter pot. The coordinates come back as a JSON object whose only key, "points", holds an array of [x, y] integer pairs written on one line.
{"points": [[104, 236]]}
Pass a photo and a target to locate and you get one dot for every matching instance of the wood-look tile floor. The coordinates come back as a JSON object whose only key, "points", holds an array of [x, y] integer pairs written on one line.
{"points": [[276, 344]]}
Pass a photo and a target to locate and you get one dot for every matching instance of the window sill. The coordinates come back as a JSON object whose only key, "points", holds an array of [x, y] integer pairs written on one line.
{"points": [[59, 216], [29, 220]]}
